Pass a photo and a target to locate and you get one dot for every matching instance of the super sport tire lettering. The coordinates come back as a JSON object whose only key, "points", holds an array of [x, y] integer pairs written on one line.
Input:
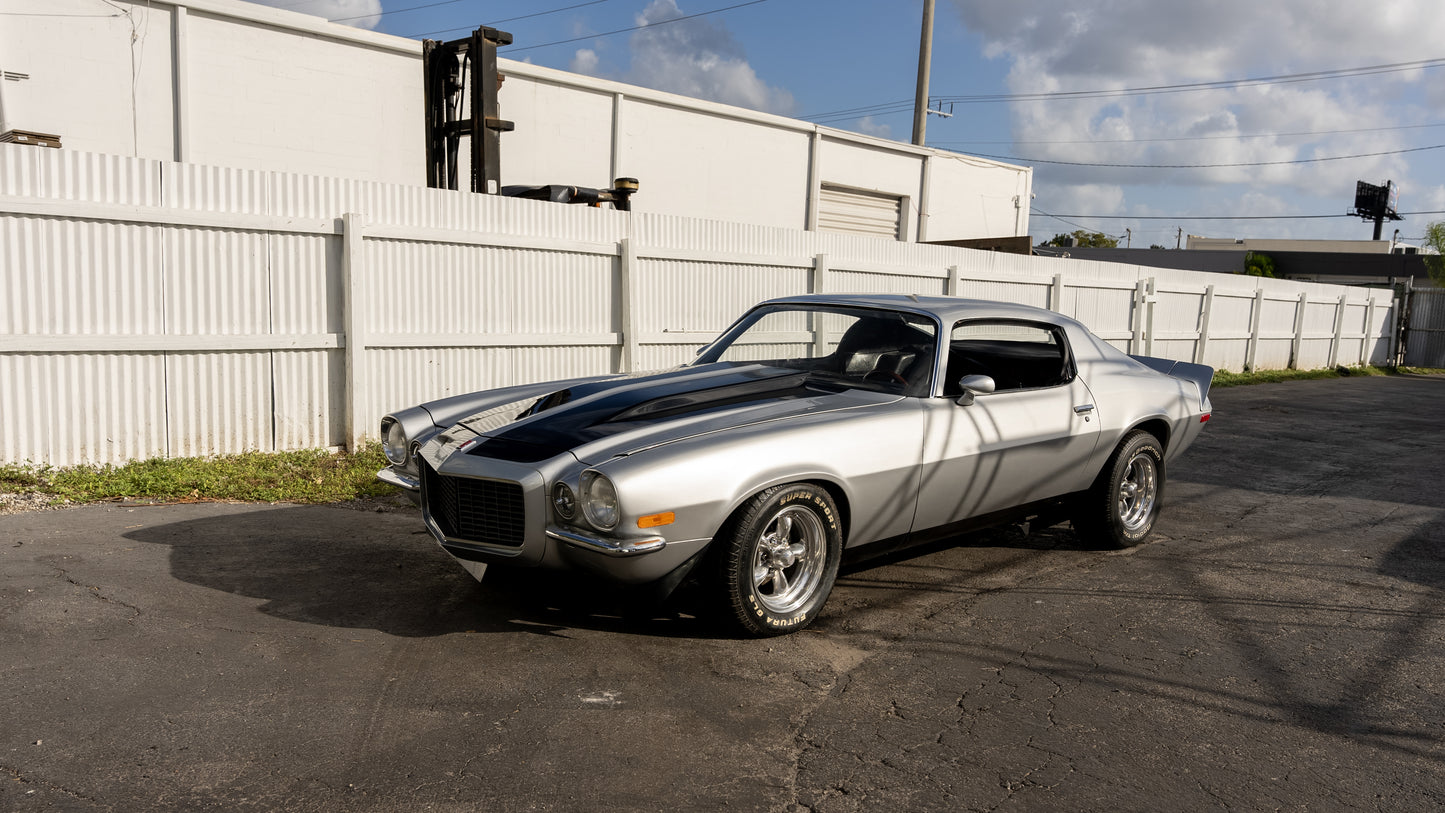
{"points": [[791, 535]]}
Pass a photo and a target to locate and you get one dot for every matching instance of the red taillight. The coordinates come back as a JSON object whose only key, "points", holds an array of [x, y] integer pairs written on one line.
{"points": [[1205, 417]]}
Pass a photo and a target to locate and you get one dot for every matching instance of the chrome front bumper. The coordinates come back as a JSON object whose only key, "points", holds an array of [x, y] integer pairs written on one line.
{"points": [[607, 546], [399, 479]]}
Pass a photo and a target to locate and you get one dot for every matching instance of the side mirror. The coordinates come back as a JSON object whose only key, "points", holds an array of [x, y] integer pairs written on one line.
{"points": [[974, 385]]}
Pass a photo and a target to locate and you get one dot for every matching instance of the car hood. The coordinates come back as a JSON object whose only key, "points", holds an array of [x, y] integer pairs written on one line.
{"points": [[598, 420]]}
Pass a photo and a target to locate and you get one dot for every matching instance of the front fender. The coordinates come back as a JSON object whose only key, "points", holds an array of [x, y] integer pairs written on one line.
{"points": [[870, 457]]}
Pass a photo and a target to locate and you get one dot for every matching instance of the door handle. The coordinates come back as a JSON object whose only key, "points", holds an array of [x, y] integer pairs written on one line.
{"points": [[1083, 409]]}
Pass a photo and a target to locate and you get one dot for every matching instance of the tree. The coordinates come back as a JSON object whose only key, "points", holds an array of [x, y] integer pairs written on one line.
{"points": [[1087, 239], [1259, 265], [1435, 263], [1155, 245]]}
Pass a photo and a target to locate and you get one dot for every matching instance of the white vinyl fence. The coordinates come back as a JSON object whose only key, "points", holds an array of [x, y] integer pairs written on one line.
{"points": [[159, 309]]}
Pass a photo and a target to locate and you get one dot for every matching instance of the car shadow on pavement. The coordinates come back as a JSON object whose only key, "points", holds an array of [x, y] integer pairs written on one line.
{"points": [[340, 568], [1016, 536]]}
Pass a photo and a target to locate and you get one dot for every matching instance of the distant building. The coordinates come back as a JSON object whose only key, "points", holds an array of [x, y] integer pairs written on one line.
{"points": [[1368, 268], [1194, 242]]}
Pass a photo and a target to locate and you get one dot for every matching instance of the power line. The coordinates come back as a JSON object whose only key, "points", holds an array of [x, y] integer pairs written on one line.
{"points": [[1060, 219], [1210, 217], [507, 20], [1236, 137], [871, 110], [511, 51], [1289, 78], [1017, 159]]}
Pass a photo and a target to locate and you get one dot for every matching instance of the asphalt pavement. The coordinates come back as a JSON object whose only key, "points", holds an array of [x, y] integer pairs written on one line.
{"points": [[1279, 644]]}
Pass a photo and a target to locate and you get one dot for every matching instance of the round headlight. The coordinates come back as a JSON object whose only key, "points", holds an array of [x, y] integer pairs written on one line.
{"points": [[564, 502], [393, 441], [599, 501]]}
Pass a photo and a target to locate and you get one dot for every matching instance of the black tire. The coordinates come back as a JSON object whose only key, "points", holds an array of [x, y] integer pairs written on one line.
{"points": [[1119, 510], [776, 560]]}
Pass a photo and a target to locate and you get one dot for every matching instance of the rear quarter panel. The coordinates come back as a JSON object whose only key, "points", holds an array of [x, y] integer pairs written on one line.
{"points": [[1127, 394]]}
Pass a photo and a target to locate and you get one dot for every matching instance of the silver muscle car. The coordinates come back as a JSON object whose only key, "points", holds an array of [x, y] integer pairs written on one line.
{"points": [[814, 424]]}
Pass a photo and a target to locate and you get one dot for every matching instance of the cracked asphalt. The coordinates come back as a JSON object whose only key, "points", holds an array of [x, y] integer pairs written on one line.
{"points": [[1278, 645]]}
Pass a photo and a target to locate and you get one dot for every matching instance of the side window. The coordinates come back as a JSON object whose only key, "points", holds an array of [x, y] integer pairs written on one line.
{"points": [[1016, 355]]}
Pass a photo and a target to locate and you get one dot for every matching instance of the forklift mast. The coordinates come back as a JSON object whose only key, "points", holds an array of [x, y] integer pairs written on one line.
{"points": [[454, 72], [462, 75]]}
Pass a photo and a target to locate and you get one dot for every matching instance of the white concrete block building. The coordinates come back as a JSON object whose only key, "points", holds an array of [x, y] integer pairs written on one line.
{"points": [[234, 84]]}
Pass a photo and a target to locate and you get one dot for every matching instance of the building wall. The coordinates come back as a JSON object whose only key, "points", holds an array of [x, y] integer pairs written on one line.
{"points": [[80, 83], [234, 84]]}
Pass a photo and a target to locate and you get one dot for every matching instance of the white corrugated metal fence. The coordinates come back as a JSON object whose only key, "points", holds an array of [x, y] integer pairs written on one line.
{"points": [[159, 309]]}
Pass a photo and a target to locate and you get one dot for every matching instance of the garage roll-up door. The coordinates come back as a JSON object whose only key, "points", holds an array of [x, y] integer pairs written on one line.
{"points": [[851, 211]]}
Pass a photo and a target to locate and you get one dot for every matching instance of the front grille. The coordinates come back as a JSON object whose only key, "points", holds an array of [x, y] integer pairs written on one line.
{"points": [[489, 512]]}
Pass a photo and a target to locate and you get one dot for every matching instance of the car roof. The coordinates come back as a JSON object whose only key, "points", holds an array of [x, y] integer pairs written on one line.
{"points": [[948, 309]]}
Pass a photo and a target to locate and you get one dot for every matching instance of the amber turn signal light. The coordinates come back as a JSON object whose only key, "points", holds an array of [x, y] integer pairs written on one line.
{"points": [[656, 520]]}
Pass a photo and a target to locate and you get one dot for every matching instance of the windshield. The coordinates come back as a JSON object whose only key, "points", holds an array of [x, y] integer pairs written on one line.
{"points": [[887, 351]]}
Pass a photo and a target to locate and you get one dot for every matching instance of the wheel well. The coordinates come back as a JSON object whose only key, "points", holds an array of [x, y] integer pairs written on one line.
{"points": [[1156, 427], [840, 499]]}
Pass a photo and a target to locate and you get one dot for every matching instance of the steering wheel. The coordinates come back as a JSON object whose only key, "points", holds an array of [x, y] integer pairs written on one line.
{"points": [[889, 375]]}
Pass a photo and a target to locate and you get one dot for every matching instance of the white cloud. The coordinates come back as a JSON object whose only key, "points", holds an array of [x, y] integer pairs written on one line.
{"points": [[366, 12], [1064, 45], [584, 61], [867, 126], [697, 57], [1103, 199], [1431, 199]]}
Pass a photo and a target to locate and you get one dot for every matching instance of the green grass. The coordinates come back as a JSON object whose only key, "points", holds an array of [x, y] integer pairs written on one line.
{"points": [[310, 476], [1224, 378]]}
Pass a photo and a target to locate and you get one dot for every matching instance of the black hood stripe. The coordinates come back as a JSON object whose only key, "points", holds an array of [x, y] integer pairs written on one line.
{"points": [[597, 410]]}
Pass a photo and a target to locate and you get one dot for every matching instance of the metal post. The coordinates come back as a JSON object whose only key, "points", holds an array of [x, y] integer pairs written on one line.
{"points": [[1136, 342], [1339, 330], [353, 323], [1299, 331], [1254, 320], [955, 281], [1151, 297], [1056, 294], [1203, 343], [819, 284], [626, 264], [925, 57], [1402, 322], [820, 273], [1365, 355]]}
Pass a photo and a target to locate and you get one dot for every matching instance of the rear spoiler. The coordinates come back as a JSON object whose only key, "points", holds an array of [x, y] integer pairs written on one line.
{"points": [[1200, 374]]}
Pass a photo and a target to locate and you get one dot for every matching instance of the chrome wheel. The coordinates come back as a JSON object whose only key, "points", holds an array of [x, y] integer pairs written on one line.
{"points": [[1138, 491], [788, 558]]}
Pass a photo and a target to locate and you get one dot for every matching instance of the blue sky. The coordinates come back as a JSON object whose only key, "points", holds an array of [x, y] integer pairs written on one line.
{"points": [[1248, 149]]}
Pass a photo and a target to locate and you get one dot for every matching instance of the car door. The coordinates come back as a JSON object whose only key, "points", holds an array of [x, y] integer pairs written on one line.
{"points": [[1029, 440]]}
